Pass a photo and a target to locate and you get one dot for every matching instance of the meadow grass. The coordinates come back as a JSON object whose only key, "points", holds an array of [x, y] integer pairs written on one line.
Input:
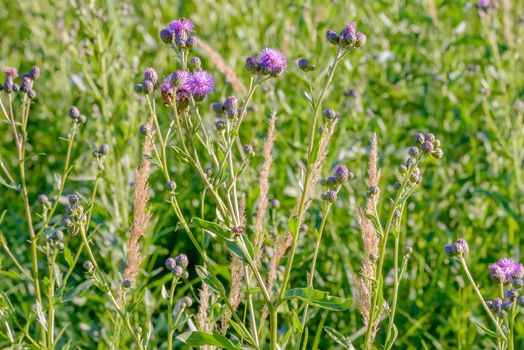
{"points": [[432, 66]]}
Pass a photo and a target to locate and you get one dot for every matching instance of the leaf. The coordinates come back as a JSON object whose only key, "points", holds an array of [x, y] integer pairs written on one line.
{"points": [[211, 281], [37, 308], [201, 338], [392, 337], [68, 257], [212, 227], [79, 290], [318, 298], [163, 293], [293, 226], [236, 248], [486, 330], [341, 339]]}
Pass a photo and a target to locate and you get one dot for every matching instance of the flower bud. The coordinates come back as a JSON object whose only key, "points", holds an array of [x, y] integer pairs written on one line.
{"points": [[144, 129], [342, 174], [429, 137], [191, 43], [182, 260], [148, 87], [329, 114], [88, 265], [520, 301], [419, 138], [231, 106], [27, 84], [177, 271], [32, 94], [187, 301], [151, 75], [166, 36], [275, 203], [220, 125], [74, 112], [104, 149], [413, 151], [251, 65], [437, 153], [171, 185], [218, 108], [58, 236], [248, 150], [170, 263], [332, 37], [304, 65], [512, 295], [34, 73], [373, 189], [126, 284], [139, 88], [195, 64], [72, 199], [42, 198], [427, 147], [360, 39], [408, 250], [330, 196], [402, 168]]}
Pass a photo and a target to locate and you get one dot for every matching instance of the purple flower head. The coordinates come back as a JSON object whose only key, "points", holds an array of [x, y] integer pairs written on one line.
{"points": [[181, 25], [167, 91], [11, 73], [180, 79], [349, 29], [272, 62], [462, 246], [150, 75], [506, 269], [200, 84]]}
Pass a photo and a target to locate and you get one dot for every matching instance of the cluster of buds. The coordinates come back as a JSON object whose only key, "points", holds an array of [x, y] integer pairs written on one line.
{"points": [[26, 86], [150, 83], [305, 65], [271, 63], [100, 155], [349, 37], [180, 33], [333, 183], [228, 108], [178, 266], [75, 216], [55, 240], [459, 248], [74, 113], [430, 145]]}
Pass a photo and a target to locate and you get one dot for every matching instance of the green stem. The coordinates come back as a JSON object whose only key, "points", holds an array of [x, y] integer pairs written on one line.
{"points": [[484, 305], [170, 329], [309, 170], [51, 306], [107, 289]]}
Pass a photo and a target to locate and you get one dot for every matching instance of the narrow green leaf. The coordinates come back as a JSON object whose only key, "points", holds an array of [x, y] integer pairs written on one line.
{"points": [[201, 339], [318, 298], [212, 227], [341, 339]]}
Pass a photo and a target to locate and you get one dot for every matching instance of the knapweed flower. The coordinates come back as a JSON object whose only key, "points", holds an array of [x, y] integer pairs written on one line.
{"points": [[506, 269], [348, 38], [200, 84], [342, 174], [10, 74], [272, 62], [181, 25]]}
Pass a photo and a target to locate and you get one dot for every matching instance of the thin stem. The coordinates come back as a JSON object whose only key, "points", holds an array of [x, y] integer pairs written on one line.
{"points": [[484, 305], [309, 170], [170, 329], [107, 289], [51, 306]]}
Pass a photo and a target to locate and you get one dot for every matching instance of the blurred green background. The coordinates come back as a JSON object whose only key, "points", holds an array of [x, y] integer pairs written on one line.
{"points": [[429, 65]]}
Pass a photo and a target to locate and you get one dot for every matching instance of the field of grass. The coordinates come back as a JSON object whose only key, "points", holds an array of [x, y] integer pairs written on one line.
{"points": [[451, 68]]}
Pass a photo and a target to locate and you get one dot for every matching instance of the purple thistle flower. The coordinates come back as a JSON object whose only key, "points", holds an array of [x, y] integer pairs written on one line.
{"points": [[506, 269], [180, 79], [11, 72], [200, 84], [181, 25], [272, 62]]}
